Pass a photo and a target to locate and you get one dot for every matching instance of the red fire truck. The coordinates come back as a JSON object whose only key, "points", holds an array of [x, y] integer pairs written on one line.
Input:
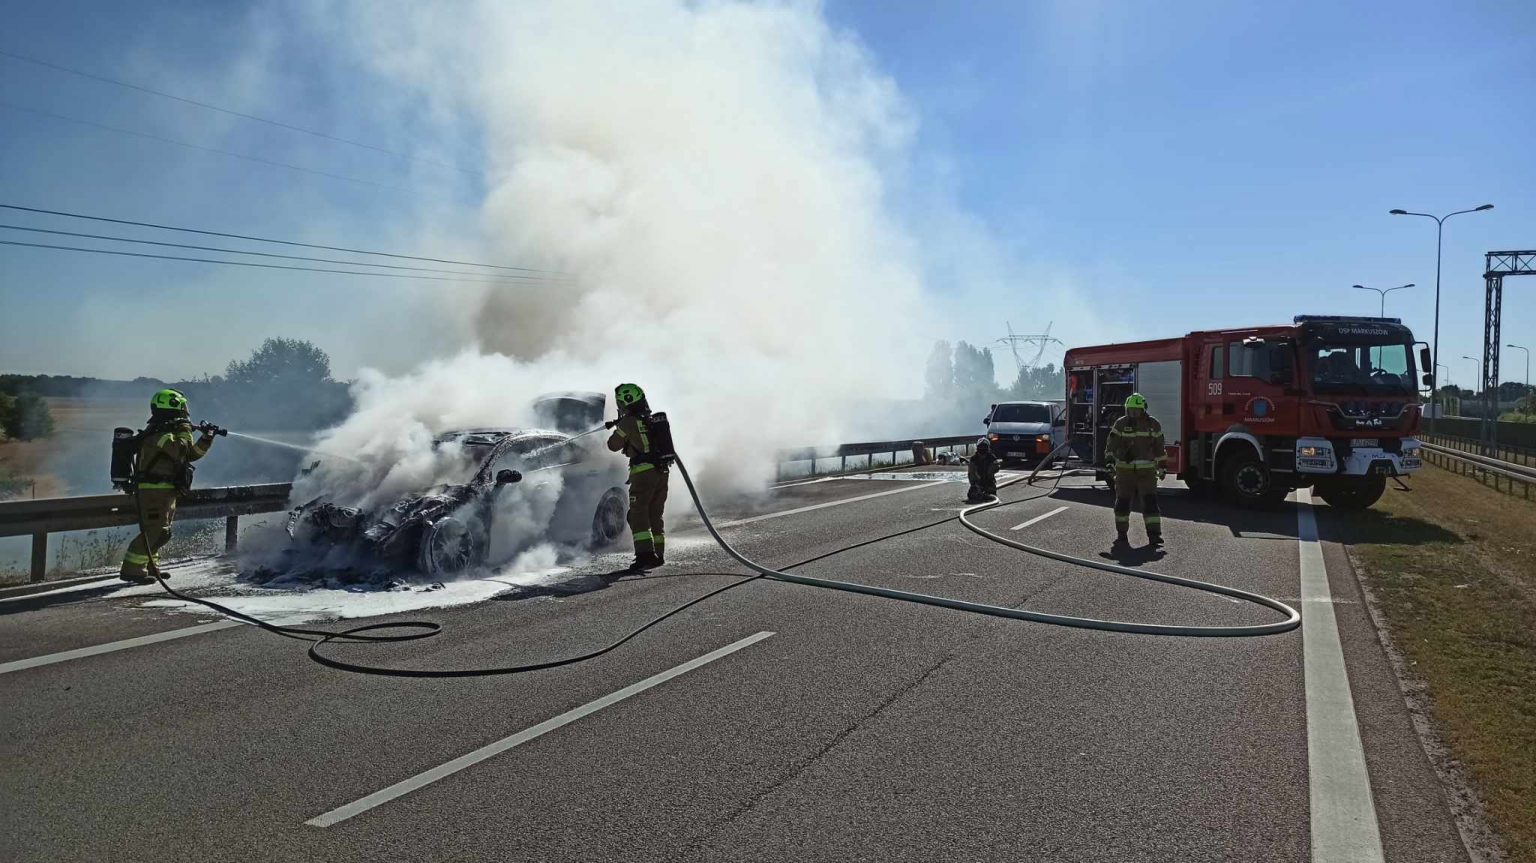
{"points": [[1328, 402]]}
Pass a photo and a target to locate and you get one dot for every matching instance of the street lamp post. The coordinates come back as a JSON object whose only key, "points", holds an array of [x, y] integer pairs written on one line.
{"points": [[1477, 371], [1383, 292], [1439, 234], [1527, 365]]}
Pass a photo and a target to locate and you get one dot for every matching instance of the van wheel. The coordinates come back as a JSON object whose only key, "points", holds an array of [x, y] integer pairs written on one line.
{"points": [[1354, 492], [1247, 482]]}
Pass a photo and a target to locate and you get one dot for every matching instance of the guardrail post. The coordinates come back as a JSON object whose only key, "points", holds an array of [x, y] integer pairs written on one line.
{"points": [[231, 533], [844, 468], [39, 556]]}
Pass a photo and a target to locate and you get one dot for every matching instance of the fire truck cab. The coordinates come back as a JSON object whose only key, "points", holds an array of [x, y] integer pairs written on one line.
{"points": [[1330, 403]]}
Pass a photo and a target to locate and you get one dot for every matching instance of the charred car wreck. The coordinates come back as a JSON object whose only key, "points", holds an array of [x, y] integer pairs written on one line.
{"points": [[447, 529]]}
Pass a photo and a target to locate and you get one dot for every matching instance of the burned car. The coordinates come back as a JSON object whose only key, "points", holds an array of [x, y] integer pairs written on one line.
{"points": [[448, 529]]}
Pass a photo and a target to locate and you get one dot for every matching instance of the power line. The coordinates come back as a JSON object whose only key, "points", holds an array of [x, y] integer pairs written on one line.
{"points": [[241, 263], [161, 138], [479, 276], [278, 123], [279, 242]]}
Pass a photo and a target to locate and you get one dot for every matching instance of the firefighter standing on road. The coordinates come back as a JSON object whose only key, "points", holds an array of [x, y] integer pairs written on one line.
{"points": [[647, 476], [1137, 449], [163, 471]]}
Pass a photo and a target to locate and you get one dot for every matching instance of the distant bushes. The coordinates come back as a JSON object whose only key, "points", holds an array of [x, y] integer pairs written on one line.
{"points": [[24, 417]]}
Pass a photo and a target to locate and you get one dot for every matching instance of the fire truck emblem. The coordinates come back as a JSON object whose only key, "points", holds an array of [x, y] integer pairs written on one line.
{"points": [[1259, 409]]}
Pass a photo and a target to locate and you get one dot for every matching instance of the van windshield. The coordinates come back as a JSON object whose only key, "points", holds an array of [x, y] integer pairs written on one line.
{"points": [[1021, 414]]}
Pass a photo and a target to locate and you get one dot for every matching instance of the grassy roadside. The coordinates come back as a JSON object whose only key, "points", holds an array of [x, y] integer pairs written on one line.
{"points": [[1453, 568]]}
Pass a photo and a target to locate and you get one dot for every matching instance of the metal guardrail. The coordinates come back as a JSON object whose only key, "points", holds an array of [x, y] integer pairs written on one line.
{"points": [[1519, 455], [870, 450], [38, 518], [1488, 466]]}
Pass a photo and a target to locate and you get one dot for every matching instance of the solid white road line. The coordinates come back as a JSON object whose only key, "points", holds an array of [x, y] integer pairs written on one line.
{"points": [[423, 779], [1039, 518], [815, 506], [1344, 828], [142, 640]]}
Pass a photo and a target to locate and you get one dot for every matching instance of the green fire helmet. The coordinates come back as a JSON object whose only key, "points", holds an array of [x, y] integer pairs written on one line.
{"points": [[628, 394], [169, 400], [1136, 400]]}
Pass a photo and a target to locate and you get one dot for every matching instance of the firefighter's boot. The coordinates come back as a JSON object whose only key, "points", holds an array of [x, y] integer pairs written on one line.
{"points": [[645, 560]]}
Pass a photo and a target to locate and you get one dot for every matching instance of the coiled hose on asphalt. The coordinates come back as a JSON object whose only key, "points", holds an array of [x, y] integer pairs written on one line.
{"points": [[416, 630]]}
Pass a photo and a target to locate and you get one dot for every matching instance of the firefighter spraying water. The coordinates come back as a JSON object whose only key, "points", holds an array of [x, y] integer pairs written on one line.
{"points": [[155, 466], [646, 438]]}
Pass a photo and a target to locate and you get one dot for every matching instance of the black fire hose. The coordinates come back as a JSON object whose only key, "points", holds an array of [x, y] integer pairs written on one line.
{"points": [[416, 630]]}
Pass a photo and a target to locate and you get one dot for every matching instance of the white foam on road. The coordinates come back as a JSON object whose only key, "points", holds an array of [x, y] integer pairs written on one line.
{"points": [[218, 580], [290, 607]]}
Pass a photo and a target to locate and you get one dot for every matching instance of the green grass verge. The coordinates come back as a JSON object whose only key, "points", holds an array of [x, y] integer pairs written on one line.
{"points": [[1453, 567]]}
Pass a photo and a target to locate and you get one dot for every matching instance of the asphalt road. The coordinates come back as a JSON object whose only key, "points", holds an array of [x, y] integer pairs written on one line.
{"points": [[859, 729]]}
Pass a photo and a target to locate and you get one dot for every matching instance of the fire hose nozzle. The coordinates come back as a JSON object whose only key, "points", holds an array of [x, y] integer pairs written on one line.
{"points": [[210, 429]]}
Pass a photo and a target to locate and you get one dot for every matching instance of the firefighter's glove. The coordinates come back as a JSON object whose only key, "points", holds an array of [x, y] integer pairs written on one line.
{"points": [[610, 424], [1161, 472]]}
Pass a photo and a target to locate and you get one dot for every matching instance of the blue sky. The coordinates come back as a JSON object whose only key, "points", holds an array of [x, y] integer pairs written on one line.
{"points": [[1175, 166]]}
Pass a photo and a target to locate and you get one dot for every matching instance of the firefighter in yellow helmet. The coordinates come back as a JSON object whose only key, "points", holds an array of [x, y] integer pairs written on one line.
{"points": [[1137, 449], [632, 435], [162, 472]]}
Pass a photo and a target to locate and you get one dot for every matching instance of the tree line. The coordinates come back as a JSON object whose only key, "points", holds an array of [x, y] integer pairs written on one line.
{"points": [[964, 372], [285, 384]]}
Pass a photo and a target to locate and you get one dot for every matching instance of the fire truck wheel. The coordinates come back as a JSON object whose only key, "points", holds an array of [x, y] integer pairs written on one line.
{"points": [[1247, 482], [1352, 493]]}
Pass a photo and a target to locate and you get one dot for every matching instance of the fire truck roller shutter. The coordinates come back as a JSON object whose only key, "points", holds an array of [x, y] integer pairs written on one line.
{"points": [[1163, 385]]}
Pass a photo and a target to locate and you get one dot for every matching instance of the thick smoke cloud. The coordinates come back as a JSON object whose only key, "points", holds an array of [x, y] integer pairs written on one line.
{"points": [[711, 178]]}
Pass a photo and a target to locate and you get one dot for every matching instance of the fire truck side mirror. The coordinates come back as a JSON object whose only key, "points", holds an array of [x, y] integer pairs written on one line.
{"points": [[1429, 380], [1426, 362]]}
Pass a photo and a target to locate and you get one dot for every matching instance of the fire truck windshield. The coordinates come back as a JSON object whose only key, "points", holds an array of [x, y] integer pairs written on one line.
{"points": [[1382, 369]]}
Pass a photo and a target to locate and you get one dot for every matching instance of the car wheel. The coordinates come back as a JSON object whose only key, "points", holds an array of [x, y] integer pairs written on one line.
{"points": [[449, 547], [608, 520]]}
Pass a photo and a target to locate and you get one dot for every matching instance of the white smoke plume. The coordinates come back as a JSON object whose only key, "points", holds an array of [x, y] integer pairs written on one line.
{"points": [[712, 177]]}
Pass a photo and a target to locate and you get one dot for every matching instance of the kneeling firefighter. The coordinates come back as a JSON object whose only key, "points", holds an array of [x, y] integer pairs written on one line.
{"points": [[646, 438], [1136, 445], [982, 473], [155, 466]]}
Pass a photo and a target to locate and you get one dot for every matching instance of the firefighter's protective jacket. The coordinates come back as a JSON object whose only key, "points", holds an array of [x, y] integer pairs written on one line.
{"points": [[631, 437], [1136, 444], [166, 451]]}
